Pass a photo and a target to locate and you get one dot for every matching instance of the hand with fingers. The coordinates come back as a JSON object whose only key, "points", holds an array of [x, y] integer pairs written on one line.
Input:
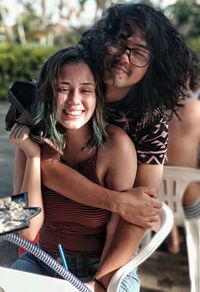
{"points": [[139, 206], [19, 135]]}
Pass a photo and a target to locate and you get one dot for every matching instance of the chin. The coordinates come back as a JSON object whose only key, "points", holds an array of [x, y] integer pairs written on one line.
{"points": [[119, 83]]}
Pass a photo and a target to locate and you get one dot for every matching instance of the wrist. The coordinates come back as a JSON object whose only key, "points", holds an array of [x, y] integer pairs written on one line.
{"points": [[115, 202], [33, 158], [107, 199]]}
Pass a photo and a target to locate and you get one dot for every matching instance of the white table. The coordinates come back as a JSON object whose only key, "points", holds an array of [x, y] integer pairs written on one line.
{"points": [[17, 281]]}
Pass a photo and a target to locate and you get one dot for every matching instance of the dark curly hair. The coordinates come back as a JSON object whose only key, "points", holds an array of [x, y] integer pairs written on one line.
{"points": [[164, 82]]}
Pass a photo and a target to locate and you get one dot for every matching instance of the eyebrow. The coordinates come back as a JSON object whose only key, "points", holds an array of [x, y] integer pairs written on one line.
{"points": [[141, 46], [82, 83]]}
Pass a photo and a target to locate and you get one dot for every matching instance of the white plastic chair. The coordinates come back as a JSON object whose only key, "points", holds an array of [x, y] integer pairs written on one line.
{"points": [[175, 181], [146, 249]]}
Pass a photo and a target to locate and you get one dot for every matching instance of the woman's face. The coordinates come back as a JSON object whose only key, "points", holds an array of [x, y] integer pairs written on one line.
{"points": [[76, 98]]}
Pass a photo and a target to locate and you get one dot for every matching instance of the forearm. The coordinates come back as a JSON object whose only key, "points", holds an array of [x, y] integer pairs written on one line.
{"points": [[32, 185], [111, 229], [19, 169], [122, 248], [27, 177], [71, 184], [136, 206]]}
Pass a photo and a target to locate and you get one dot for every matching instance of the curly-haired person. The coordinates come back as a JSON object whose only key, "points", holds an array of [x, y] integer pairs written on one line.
{"points": [[144, 63]]}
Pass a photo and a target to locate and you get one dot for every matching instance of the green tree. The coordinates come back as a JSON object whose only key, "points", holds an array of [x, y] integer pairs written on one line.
{"points": [[186, 16]]}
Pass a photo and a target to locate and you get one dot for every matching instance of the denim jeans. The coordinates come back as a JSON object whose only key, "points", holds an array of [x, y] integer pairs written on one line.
{"points": [[82, 267]]}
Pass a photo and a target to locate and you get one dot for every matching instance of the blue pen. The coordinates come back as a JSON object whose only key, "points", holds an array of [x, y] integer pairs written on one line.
{"points": [[62, 256]]}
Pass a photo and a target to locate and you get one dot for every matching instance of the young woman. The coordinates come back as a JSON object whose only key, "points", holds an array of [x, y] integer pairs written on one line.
{"points": [[69, 108]]}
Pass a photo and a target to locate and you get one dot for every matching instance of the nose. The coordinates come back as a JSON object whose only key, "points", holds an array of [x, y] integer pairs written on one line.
{"points": [[125, 56], [73, 97]]}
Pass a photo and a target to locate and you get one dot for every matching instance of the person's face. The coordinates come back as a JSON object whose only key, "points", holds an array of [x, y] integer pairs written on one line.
{"points": [[76, 98], [124, 74]]}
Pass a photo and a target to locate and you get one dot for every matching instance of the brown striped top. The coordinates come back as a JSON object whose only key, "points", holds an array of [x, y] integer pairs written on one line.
{"points": [[79, 228]]}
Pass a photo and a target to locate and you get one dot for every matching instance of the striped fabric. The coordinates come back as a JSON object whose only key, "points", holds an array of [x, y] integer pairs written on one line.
{"points": [[79, 228], [192, 210]]}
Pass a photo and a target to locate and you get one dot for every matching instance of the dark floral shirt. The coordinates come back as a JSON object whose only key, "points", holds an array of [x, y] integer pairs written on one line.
{"points": [[149, 133]]}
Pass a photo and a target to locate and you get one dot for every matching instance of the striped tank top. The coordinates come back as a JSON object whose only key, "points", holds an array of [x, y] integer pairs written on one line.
{"points": [[79, 228]]}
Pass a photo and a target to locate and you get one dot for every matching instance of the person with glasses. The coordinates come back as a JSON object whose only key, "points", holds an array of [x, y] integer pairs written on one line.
{"points": [[137, 57], [144, 62]]}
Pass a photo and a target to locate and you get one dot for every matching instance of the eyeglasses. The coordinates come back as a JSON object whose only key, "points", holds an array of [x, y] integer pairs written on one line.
{"points": [[137, 57]]}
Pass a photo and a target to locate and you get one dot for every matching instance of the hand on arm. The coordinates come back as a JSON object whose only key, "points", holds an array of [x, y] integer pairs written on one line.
{"points": [[142, 200], [71, 184], [137, 206]]}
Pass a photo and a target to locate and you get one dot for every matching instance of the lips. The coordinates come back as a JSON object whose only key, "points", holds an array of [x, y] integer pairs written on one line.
{"points": [[120, 68], [72, 113]]}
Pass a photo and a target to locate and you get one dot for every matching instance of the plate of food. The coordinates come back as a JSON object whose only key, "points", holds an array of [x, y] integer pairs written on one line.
{"points": [[15, 214]]}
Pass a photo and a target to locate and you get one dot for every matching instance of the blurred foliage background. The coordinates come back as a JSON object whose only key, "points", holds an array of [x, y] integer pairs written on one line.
{"points": [[39, 28]]}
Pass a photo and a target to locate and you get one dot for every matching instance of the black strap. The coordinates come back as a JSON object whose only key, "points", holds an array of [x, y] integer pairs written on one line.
{"points": [[15, 101]]}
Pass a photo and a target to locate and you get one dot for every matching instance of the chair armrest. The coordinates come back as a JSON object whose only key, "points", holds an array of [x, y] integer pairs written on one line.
{"points": [[167, 220]]}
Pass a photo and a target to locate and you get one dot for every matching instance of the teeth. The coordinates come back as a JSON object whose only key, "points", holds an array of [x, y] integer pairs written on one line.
{"points": [[73, 113]]}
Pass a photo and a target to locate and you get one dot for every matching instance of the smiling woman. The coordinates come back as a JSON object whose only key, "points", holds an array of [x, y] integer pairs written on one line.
{"points": [[69, 106], [76, 98]]}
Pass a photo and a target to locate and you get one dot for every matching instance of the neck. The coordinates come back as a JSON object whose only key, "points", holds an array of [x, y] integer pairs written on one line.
{"points": [[75, 150], [115, 94], [77, 139]]}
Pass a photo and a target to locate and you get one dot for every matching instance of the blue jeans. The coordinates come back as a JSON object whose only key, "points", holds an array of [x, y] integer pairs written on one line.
{"points": [[82, 267]]}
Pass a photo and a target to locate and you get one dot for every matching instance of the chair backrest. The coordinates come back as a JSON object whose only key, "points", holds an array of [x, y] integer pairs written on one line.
{"points": [[174, 183], [162, 231]]}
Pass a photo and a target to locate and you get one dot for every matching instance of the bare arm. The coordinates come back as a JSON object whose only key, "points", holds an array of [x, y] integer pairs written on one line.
{"points": [[149, 175], [61, 178], [127, 237], [122, 238], [19, 169], [184, 143], [28, 172]]}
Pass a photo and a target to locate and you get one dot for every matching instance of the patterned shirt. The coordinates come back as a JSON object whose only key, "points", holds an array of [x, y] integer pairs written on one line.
{"points": [[149, 133]]}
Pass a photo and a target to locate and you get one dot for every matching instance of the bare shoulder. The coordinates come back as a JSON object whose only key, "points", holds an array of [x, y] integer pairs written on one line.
{"points": [[118, 150], [119, 139], [191, 109], [189, 114], [117, 160]]}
